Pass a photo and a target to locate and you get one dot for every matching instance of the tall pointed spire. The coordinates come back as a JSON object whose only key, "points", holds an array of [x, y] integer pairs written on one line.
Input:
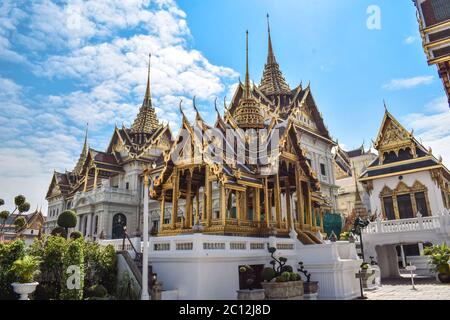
{"points": [[148, 95], [247, 73], [270, 56], [84, 152], [248, 114], [146, 120], [272, 82]]}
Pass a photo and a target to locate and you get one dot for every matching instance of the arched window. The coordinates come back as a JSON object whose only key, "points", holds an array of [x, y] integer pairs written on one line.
{"points": [[119, 222]]}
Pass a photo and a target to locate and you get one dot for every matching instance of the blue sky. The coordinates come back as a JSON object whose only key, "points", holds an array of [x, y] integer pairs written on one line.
{"points": [[62, 65]]}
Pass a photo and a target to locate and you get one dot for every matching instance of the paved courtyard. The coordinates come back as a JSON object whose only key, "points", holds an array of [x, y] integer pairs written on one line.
{"points": [[401, 289]]}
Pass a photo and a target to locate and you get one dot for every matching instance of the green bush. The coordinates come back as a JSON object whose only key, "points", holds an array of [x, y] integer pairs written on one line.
{"points": [[74, 257], [51, 251], [76, 235], [59, 231], [268, 274], [97, 291], [25, 269], [438, 258], [9, 252]]}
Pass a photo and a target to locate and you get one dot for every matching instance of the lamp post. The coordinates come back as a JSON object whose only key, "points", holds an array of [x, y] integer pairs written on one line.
{"points": [[144, 293]]}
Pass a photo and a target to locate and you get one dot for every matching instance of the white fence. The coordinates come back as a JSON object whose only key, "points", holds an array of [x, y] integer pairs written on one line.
{"points": [[407, 225]]}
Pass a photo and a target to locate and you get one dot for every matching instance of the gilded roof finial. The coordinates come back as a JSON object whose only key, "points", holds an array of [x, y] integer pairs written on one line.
{"points": [[247, 73], [385, 106], [271, 56], [148, 95], [215, 106]]}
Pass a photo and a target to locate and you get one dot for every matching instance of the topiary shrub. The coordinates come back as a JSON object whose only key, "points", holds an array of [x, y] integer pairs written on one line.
{"points": [[19, 223], [67, 220], [59, 232], [76, 235], [97, 291], [19, 200], [268, 274]]}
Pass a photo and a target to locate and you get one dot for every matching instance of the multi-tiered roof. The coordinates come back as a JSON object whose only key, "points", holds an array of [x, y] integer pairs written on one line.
{"points": [[140, 143]]}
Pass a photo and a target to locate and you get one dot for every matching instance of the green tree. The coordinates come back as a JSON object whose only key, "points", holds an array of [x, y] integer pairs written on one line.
{"points": [[67, 220]]}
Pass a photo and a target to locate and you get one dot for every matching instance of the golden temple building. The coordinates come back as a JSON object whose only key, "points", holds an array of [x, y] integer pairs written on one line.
{"points": [[273, 194]]}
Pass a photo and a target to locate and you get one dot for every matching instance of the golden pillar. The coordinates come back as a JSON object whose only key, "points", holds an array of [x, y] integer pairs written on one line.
{"points": [[257, 206], [300, 201], [208, 199], [223, 204], [188, 209], [309, 212], [175, 192], [238, 206], [162, 209], [278, 200], [266, 202], [288, 203]]}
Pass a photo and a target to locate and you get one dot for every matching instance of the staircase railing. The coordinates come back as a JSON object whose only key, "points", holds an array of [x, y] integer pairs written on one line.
{"points": [[138, 254]]}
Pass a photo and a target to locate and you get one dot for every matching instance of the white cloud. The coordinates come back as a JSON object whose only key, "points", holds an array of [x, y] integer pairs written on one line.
{"points": [[408, 83], [409, 40], [100, 50], [432, 127]]}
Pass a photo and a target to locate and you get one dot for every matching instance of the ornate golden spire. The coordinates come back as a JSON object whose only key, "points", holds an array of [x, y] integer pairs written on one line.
{"points": [[272, 82], [83, 155], [248, 113], [146, 120]]}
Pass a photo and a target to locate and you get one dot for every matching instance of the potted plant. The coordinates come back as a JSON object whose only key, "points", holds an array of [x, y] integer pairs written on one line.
{"points": [[439, 261], [310, 288], [249, 292], [280, 283], [25, 270]]}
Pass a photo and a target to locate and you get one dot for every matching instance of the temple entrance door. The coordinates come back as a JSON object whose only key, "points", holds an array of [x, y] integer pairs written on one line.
{"points": [[119, 222]]}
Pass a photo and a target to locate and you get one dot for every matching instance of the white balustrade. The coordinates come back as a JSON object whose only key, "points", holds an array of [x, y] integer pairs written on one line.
{"points": [[403, 225]]}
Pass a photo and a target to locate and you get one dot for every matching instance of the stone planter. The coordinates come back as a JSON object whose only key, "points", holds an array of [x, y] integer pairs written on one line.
{"points": [[24, 289], [444, 277], [292, 290], [250, 295]]}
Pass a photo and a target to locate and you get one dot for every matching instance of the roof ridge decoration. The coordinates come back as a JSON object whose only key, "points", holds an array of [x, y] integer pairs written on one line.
{"points": [[248, 114], [393, 137], [146, 120], [272, 81]]}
